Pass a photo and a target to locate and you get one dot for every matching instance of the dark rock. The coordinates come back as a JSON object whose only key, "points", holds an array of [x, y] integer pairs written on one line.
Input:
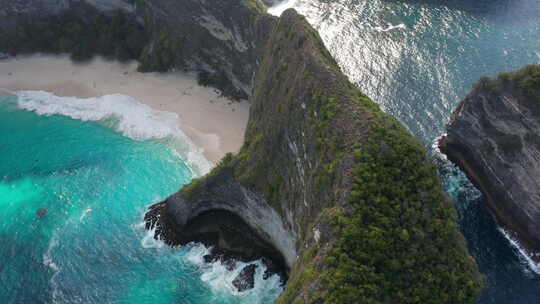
{"points": [[246, 278], [209, 258], [493, 137], [224, 258], [41, 212], [273, 269]]}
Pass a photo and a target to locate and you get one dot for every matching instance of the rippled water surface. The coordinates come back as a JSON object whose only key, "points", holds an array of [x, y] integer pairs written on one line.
{"points": [[73, 193], [418, 59]]}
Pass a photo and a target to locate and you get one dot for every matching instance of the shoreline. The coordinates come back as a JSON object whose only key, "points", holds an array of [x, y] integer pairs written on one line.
{"points": [[214, 123]]}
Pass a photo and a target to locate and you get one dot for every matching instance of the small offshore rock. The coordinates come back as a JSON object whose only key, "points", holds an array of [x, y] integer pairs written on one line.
{"points": [[246, 278]]}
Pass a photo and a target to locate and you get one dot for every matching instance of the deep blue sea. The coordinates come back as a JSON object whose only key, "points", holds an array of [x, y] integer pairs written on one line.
{"points": [[73, 191], [418, 59]]}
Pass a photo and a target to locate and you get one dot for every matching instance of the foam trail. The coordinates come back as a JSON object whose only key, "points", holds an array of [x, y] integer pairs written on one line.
{"points": [[524, 256], [390, 27], [134, 119], [85, 213], [49, 262]]}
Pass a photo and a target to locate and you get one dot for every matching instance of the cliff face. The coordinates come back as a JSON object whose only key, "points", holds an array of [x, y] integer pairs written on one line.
{"points": [[494, 137], [340, 189], [222, 38]]}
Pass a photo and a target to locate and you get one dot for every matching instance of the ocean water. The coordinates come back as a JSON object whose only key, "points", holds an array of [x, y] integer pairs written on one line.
{"points": [[76, 177], [418, 59]]}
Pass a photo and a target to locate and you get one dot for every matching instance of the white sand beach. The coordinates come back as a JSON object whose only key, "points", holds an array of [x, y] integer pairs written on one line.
{"points": [[213, 123]]}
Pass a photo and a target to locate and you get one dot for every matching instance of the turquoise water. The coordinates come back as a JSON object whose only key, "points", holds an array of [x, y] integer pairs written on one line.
{"points": [[418, 59], [95, 183]]}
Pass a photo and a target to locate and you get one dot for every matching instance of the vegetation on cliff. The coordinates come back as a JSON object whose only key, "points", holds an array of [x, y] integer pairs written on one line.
{"points": [[398, 241], [526, 80], [113, 36], [387, 232]]}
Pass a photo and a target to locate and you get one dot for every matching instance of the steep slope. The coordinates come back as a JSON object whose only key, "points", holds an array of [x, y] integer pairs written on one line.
{"points": [[493, 136], [339, 188]]}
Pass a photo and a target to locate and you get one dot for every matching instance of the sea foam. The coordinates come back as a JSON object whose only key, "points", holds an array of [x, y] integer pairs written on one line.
{"points": [[132, 118], [525, 257], [219, 278], [281, 6]]}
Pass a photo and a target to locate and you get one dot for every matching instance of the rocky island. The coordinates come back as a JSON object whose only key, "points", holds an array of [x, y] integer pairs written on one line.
{"points": [[326, 185], [493, 137]]}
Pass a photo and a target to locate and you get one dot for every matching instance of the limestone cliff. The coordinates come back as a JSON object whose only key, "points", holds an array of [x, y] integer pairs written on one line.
{"points": [[340, 189], [494, 137]]}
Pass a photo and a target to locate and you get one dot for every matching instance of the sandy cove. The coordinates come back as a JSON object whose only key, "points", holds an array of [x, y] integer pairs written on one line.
{"points": [[213, 123]]}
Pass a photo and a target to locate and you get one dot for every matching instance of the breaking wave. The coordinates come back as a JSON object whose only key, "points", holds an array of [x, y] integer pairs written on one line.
{"points": [[124, 114]]}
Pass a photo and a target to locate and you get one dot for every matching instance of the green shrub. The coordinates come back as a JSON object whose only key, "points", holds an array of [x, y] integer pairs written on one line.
{"points": [[528, 79], [115, 36], [399, 242]]}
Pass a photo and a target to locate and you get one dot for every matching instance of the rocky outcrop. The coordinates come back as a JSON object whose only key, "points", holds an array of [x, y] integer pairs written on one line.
{"points": [[246, 278], [493, 136], [340, 189], [222, 38]]}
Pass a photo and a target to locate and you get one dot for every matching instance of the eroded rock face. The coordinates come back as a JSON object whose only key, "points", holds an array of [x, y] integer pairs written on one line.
{"points": [[494, 137]]}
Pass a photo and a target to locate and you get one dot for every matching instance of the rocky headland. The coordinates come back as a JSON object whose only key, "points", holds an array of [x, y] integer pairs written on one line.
{"points": [[493, 136], [326, 184]]}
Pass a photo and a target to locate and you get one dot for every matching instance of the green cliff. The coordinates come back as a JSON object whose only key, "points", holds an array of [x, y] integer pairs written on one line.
{"points": [[355, 194]]}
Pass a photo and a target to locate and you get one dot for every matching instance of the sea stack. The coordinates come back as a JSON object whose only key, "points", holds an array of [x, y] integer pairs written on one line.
{"points": [[494, 137]]}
